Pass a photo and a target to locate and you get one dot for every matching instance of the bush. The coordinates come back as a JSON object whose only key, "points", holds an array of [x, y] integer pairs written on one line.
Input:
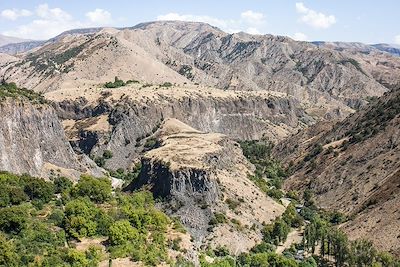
{"points": [[100, 161], [117, 83], [8, 255], [218, 219], [107, 154]]}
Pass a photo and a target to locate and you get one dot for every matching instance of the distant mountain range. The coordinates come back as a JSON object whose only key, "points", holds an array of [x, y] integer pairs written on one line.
{"points": [[13, 45], [5, 40], [360, 47]]}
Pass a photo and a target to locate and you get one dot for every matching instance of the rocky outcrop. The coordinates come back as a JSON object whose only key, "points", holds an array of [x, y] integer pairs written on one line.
{"points": [[200, 175], [32, 141]]}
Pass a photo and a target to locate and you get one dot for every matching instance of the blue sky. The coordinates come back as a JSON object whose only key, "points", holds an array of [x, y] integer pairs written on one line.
{"points": [[367, 21]]}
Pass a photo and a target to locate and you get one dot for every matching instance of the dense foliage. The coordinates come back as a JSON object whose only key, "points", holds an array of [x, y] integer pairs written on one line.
{"points": [[40, 221], [269, 174], [13, 91]]}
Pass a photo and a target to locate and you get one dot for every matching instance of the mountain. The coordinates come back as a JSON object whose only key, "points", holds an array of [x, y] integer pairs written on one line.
{"points": [[375, 59], [392, 49], [20, 47], [4, 40], [353, 166], [186, 52], [187, 115]]}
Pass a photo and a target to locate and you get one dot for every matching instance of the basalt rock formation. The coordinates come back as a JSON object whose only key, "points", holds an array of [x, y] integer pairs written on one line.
{"points": [[120, 119], [200, 176]]}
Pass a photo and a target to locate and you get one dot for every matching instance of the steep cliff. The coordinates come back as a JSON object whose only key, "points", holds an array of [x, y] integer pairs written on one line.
{"points": [[32, 141], [120, 119], [203, 179]]}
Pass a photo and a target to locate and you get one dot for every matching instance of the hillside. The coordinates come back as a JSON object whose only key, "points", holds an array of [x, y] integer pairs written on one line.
{"points": [[188, 52], [377, 60], [353, 167]]}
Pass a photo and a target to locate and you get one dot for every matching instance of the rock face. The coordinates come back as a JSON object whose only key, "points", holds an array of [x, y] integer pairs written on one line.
{"points": [[121, 119], [201, 175], [354, 167], [32, 141]]}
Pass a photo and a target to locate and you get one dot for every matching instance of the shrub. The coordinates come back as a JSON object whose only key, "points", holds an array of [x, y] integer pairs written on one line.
{"points": [[107, 154], [61, 184], [217, 219]]}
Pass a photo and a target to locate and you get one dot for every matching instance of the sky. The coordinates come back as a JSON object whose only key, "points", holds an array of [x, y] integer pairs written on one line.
{"points": [[367, 21]]}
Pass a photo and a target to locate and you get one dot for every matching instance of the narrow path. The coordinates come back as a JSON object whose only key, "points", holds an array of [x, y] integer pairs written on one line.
{"points": [[295, 236]]}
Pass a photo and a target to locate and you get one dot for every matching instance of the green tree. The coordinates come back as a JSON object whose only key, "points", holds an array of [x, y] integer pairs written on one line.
{"points": [[8, 254], [97, 189], [12, 219], [362, 253], [79, 218], [280, 231], [61, 184], [38, 189], [121, 232], [291, 217]]}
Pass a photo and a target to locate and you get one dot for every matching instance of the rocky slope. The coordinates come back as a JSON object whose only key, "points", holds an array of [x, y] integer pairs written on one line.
{"points": [[203, 179], [354, 167], [185, 52], [120, 119], [32, 141], [377, 60]]}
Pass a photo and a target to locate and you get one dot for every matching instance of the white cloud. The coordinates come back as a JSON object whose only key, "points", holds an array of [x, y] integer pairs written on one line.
{"points": [[49, 22], [313, 18], [249, 21], [299, 36], [99, 16], [253, 18], [252, 30], [14, 14], [397, 39]]}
